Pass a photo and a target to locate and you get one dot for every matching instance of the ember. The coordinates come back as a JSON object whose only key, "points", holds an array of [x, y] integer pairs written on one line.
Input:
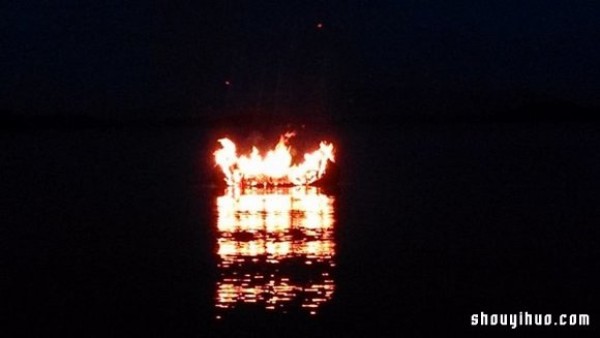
{"points": [[275, 167]]}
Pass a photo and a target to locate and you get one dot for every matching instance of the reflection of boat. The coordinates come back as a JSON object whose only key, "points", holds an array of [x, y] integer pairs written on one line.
{"points": [[275, 248], [273, 292]]}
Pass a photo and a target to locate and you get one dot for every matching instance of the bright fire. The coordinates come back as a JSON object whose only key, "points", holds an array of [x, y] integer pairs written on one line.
{"points": [[273, 167]]}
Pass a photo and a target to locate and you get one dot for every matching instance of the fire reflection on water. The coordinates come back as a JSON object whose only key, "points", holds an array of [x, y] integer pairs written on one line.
{"points": [[275, 248]]}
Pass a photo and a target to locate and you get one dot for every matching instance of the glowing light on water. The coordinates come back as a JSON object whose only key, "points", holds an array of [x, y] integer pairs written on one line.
{"points": [[268, 239]]}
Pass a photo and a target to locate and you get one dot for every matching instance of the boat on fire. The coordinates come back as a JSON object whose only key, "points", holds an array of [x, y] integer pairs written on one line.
{"points": [[276, 166]]}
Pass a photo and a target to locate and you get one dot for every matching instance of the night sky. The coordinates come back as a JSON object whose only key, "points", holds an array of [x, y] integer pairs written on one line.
{"points": [[339, 58]]}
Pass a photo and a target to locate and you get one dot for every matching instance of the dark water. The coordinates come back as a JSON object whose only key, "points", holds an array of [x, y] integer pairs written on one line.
{"points": [[115, 233]]}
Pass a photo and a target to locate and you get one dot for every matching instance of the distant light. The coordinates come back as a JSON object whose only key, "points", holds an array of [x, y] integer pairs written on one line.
{"points": [[227, 82], [319, 25]]}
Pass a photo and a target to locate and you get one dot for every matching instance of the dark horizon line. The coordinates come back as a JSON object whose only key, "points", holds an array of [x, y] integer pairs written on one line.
{"points": [[526, 113]]}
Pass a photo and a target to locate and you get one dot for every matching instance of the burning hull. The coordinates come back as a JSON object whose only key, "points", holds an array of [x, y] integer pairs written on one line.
{"points": [[330, 179], [276, 167]]}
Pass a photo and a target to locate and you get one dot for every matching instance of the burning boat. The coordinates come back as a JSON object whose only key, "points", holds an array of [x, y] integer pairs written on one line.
{"points": [[276, 166]]}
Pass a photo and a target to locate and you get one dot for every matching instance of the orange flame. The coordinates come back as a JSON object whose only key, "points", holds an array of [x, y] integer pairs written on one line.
{"points": [[275, 167]]}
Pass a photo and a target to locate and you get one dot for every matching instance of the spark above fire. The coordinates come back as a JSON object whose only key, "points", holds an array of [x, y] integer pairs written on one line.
{"points": [[275, 167]]}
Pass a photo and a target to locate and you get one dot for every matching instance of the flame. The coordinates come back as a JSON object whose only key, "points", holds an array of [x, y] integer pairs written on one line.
{"points": [[275, 167]]}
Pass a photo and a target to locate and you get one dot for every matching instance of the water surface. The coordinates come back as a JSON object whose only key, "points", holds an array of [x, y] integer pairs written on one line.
{"points": [[123, 232]]}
